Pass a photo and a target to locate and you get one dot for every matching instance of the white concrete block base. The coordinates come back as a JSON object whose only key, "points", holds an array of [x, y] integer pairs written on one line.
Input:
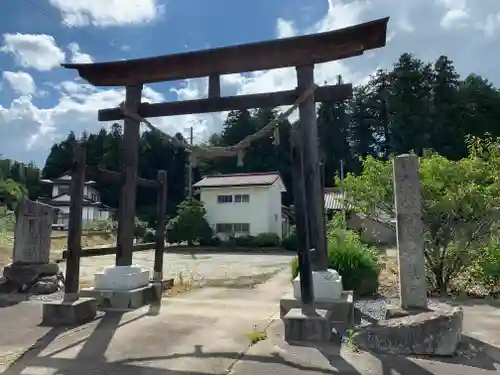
{"points": [[121, 278], [327, 285]]}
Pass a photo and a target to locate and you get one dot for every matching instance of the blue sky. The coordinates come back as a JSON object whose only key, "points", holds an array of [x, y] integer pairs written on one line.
{"points": [[41, 102]]}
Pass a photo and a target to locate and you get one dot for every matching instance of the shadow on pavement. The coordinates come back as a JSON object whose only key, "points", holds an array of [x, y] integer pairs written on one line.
{"points": [[91, 354]]}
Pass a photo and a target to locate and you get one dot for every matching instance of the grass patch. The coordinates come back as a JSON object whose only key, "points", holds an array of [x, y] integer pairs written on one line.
{"points": [[256, 335], [181, 285]]}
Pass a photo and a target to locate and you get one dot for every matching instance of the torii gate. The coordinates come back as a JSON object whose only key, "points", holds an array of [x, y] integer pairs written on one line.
{"points": [[301, 52]]}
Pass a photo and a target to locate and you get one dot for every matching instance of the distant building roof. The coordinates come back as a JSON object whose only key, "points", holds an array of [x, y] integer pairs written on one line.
{"points": [[239, 179], [335, 200], [64, 179]]}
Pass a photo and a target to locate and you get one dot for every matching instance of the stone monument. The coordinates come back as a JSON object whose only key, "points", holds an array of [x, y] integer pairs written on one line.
{"points": [[409, 231], [31, 270], [411, 328]]}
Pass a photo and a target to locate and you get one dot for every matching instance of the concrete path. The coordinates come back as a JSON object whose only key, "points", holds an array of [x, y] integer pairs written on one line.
{"points": [[478, 354], [205, 332], [201, 332]]}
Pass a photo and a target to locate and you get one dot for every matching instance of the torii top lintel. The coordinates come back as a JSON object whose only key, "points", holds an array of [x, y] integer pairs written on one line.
{"points": [[280, 53]]}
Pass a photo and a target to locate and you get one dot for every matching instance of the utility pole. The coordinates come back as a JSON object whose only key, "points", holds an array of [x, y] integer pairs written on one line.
{"points": [[190, 172]]}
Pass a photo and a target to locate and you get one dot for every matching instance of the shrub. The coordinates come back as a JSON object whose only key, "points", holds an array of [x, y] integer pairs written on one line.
{"points": [[245, 241], [267, 240], [190, 223], [230, 241], [213, 241], [354, 261], [149, 236], [140, 228], [106, 225], [486, 270], [291, 242]]}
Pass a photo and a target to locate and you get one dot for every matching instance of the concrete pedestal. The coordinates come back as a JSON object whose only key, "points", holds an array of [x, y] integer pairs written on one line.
{"points": [[340, 311], [122, 300], [121, 278], [301, 328], [327, 285], [69, 313]]}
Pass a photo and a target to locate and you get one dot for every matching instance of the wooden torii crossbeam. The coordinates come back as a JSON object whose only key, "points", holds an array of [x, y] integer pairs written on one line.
{"points": [[238, 149], [300, 52]]}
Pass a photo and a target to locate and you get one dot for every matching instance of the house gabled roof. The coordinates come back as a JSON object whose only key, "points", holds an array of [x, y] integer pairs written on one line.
{"points": [[64, 179], [239, 179]]}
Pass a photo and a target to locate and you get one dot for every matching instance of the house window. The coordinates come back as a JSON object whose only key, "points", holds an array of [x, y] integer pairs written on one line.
{"points": [[224, 199], [232, 228], [63, 189], [224, 228], [242, 228], [245, 198]]}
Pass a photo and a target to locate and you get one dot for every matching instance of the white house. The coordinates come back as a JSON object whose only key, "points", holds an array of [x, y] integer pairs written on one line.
{"points": [[244, 204], [93, 208]]}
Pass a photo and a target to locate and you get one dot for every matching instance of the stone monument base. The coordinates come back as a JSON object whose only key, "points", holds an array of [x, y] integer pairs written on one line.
{"points": [[125, 300], [427, 333], [393, 311], [340, 311], [302, 328], [33, 278], [69, 312], [327, 285]]}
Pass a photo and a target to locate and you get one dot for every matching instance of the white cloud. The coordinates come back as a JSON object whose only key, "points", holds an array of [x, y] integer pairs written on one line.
{"points": [[23, 122], [457, 14], [285, 28], [492, 25], [21, 82], [405, 25], [78, 56], [107, 13], [33, 51]]}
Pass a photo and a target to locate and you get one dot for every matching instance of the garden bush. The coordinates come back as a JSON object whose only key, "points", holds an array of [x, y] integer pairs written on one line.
{"points": [[245, 241], [486, 270], [355, 262], [291, 242], [210, 241], [267, 240]]}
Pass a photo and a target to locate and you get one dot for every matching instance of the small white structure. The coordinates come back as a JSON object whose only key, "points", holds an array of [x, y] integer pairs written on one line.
{"points": [[93, 208], [121, 278], [327, 285], [244, 204]]}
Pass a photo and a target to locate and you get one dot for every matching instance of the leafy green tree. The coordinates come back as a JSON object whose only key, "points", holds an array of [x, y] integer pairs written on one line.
{"points": [[459, 204], [11, 192], [190, 223]]}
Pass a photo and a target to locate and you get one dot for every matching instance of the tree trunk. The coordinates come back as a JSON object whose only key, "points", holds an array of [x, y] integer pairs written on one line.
{"points": [[441, 284]]}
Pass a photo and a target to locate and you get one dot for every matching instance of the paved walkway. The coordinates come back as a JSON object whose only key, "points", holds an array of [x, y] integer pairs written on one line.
{"points": [[205, 332], [202, 332], [478, 354]]}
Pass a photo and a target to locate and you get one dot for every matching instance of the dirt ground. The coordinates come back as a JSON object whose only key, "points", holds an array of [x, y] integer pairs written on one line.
{"points": [[389, 277]]}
